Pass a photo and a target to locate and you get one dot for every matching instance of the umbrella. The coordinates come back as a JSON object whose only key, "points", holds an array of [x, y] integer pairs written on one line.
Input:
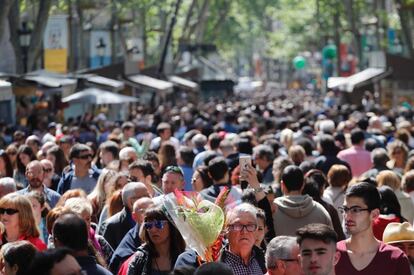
{"points": [[98, 96]]}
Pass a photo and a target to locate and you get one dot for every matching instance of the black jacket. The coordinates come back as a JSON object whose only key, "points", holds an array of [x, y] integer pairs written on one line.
{"points": [[126, 248], [116, 227]]}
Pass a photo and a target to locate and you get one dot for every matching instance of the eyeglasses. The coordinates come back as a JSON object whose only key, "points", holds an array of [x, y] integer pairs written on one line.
{"points": [[11, 153], [174, 169], [132, 179], [159, 224], [85, 156], [8, 211], [47, 170], [352, 210], [239, 227]]}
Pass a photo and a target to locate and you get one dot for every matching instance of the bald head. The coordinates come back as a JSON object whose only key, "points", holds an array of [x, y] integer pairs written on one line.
{"points": [[132, 192], [139, 207]]}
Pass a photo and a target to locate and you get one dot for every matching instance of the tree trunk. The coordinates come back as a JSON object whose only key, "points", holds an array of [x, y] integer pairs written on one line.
{"points": [[202, 21], [4, 12], [185, 30], [38, 32], [337, 38], [220, 20], [14, 15], [81, 37], [350, 14], [187, 20]]}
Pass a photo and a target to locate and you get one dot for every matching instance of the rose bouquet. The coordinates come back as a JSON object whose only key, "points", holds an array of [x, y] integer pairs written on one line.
{"points": [[199, 221]]}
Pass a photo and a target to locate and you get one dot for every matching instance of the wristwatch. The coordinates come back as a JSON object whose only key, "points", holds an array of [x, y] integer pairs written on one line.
{"points": [[258, 189]]}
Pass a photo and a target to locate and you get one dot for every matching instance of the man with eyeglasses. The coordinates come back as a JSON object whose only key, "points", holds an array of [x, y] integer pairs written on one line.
{"points": [[362, 253], [242, 255], [282, 256], [82, 175], [318, 255], [35, 175]]}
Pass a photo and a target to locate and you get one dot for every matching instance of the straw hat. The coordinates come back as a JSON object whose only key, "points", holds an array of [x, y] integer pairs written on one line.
{"points": [[398, 233]]}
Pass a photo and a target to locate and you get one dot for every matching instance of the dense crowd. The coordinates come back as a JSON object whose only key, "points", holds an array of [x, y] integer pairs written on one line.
{"points": [[313, 186]]}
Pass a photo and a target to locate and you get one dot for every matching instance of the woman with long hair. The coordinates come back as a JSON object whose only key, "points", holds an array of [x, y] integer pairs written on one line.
{"points": [[101, 192], [11, 151], [398, 154], [315, 184], [56, 155], [390, 211], [24, 156], [16, 215], [167, 156], [163, 244], [6, 167]]}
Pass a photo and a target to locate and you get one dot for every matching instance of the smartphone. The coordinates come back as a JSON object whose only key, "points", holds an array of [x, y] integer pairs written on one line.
{"points": [[244, 162]]}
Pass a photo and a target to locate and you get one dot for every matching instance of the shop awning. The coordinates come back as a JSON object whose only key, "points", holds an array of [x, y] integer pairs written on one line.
{"points": [[182, 82], [366, 76], [4, 84], [150, 82], [109, 82], [98, 96], [51, 82]]}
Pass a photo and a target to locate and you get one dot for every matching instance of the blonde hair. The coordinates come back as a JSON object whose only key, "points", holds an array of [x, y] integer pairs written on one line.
{"points": [[286, 137], [98, 194], [78, 206], [390, 179], [27, 223]]}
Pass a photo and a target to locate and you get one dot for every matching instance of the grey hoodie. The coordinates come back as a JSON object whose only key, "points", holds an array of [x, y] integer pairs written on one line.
{"points": [[294, 212]]}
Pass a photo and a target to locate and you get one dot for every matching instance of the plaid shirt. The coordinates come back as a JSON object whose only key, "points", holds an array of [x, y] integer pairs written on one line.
{"points": [[239, 268]]}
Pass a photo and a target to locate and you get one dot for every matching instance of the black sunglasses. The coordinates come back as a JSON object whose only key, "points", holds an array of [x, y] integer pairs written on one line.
{"points": [[85, 156], [47, 170], [8, 211], [174, 169]]}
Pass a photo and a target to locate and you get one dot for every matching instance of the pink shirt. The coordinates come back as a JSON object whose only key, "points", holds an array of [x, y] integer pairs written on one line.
{"points": [[358, 158]]}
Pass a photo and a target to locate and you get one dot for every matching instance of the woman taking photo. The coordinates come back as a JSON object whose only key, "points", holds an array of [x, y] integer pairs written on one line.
{"points": [[162, 245], [16, 215]]}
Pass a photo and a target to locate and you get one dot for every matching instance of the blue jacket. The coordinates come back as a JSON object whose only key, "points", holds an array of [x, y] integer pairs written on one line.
{"points": [[66, 179], [125, 249]]}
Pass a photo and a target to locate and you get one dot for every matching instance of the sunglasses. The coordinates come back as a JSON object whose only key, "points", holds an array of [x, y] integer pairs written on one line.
{"points": [[174, 169], [85, 156], [8, 211], [47, 170], [158, 224]]}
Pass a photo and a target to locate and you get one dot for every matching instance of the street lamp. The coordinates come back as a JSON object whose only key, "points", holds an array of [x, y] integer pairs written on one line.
{"points": [[24, 37], [100, 49]]}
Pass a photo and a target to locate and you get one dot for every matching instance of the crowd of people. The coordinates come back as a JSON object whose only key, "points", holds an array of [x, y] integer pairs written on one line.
{"points": [[326, 189]]}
